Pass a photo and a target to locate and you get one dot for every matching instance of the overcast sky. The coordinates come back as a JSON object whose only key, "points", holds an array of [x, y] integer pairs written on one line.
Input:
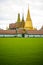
{"points": [[10, 8]]}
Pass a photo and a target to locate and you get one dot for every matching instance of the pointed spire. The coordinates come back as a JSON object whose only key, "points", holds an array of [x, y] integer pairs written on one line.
{"points": [[18, 19], [22, 22], [28, 23], [22, 17], [28, 15]]}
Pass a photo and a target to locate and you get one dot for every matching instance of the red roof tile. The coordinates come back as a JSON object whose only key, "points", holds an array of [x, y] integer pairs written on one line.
{"points": [[7, 31]]}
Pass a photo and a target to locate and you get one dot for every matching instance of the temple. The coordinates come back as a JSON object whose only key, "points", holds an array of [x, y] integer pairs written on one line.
{"points": [[27, 25], [19, 23], [22, 28]]}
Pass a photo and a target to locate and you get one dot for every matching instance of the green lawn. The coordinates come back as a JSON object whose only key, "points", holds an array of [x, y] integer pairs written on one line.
{"points": [[21, 51]]}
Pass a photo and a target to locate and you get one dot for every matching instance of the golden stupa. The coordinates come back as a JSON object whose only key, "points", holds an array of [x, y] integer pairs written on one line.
{"points": [[28, 23]]}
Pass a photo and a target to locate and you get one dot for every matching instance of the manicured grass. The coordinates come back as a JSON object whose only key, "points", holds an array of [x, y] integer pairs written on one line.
{"points": [[21, 51]]}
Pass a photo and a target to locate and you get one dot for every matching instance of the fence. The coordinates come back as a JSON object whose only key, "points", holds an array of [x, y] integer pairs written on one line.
{"points": [[21, 35]]}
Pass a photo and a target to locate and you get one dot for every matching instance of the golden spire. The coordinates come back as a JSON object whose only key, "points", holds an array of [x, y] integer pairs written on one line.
{"points": [[28, 16], [18, 19], [28, 23]]}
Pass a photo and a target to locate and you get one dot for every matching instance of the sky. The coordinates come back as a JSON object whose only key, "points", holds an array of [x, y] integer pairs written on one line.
{"points": [[9, 10]]}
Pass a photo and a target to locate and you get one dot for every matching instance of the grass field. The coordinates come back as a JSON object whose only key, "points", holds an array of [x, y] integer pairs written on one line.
{"points": [[21, 51]]}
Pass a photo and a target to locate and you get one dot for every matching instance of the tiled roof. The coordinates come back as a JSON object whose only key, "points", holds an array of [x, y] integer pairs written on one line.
{"points": [[7, 31], [21, 31], [34, 32], [15, 25]]}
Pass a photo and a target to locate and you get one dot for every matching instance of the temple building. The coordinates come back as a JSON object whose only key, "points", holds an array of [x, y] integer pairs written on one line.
{"points": [[22, 28], [19, 23], [27, 25]]}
